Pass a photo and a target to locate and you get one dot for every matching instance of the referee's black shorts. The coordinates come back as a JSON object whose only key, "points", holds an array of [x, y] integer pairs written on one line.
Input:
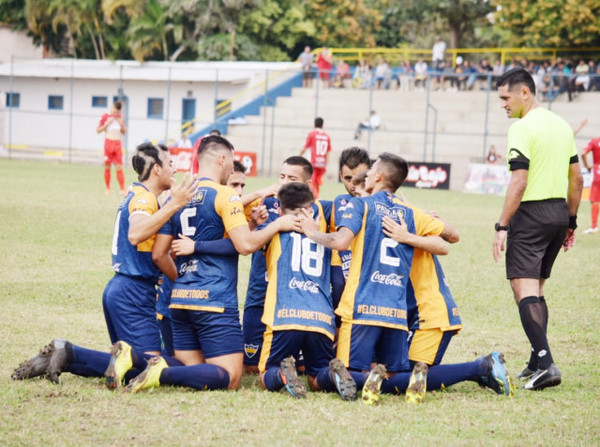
{"points": [[535, 236]]}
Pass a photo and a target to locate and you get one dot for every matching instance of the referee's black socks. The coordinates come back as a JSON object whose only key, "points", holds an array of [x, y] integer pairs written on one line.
{"points": [[534, 318]]}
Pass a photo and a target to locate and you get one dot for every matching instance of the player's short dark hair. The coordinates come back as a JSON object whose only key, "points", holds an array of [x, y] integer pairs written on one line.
{"points": [[354, 156], [214, 132], [319, 122], [516, 76], [294, 195], [296, 160], [118, 105], [238, 167], [396, 169], [213, 142], [146, 156]]}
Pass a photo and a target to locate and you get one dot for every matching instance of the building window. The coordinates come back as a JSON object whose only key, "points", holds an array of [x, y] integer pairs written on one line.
{"points": [[155, 108], [13, 100], [55, 102], [100, 101]]}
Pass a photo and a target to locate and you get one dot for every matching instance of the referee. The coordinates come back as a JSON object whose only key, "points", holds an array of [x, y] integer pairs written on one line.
{"points": [[539, 214]]}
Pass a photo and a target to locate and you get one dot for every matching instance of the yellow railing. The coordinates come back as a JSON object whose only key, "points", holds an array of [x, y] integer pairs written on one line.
{"points": [[504, 54]]}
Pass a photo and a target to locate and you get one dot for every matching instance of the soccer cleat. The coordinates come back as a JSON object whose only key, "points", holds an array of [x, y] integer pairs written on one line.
{"points": [[497, 379], [289, 376], [120, 363], [592, 230], [417, 386], [35, 366], [526, 374], [544, 378], [371, 392], [344, 382], [148, 378]]}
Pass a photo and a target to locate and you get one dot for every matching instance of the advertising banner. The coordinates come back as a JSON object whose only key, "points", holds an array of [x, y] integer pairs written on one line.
{"points": [[428, 175]]}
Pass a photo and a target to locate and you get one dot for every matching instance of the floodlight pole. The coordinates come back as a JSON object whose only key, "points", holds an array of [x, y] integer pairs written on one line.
{"points": [[487, 115]]}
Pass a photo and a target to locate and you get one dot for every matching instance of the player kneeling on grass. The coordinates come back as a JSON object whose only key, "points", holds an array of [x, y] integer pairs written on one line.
{"points": [[374, 307], [298, 310]]}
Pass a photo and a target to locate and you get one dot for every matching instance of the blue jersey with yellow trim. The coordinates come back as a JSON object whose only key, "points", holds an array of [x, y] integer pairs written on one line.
{"points": [[341, 258], [128, 259], [257, 281], [435, 305], [375, 293], [207, 281], [299, 291]]}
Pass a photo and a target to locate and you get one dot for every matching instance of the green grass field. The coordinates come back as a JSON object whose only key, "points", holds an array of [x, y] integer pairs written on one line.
{"points": [[56, 228]]}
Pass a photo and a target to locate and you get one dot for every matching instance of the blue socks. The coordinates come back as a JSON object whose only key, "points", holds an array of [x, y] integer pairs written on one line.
{"points": [[272, 379], [87, 362], [200, 377], [324, 380]]}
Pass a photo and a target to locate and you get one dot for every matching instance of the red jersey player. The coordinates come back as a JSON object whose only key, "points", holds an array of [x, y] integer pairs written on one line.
{"points": [[593, 147], [112, 123], [319, 144]]}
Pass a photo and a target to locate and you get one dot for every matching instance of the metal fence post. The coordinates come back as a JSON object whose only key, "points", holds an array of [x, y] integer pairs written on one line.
{"points": [[71, 114], [168, 105], [487, 115], [264, 135], [12, 61]]}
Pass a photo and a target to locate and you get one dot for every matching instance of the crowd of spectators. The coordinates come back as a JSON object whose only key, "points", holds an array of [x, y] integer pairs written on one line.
{"points": [[551, 78]]}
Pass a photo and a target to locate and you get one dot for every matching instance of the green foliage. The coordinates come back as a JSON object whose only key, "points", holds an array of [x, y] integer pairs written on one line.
{"points": [[344, 23], [217, 48], [12, 12], [550, 23]]}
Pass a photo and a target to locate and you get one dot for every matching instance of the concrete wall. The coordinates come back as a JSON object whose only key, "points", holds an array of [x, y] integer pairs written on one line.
{"points": [[18, 44]]}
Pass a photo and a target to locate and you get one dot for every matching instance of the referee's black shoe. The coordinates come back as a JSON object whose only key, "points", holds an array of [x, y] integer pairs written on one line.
{"points": [[544, 378]]}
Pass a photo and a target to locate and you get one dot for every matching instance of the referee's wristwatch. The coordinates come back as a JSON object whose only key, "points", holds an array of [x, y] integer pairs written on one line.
{"points": [[499, 227]]}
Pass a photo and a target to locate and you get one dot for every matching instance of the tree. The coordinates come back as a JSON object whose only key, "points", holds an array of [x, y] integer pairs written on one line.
{"points": [[278, 27], [343, 23], [557, 23]]}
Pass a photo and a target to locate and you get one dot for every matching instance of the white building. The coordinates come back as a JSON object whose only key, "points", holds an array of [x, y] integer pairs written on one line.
{"points": [[55, 104]]}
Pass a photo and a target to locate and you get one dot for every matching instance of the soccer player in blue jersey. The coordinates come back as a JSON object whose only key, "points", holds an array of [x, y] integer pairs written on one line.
{"points": [[353, 161], [298, 310], [293, 169], [129, 297], [204, 308], [374, 306]]}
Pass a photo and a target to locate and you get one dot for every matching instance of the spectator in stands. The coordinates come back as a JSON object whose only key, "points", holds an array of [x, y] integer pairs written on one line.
{"points": [[448, 73], [341, 74], [469, 75], [497, 69], [383, 75], [438, 53], [306, 58], [492, 157], [485, 71], [582, 79], [456, 80], [406, 76], [372, 123], [362, 75], [325, 65], [595, 79], [420, 75]]}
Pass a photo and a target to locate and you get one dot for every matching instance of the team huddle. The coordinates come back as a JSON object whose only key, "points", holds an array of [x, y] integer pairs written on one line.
{"points": [[348, 292]]}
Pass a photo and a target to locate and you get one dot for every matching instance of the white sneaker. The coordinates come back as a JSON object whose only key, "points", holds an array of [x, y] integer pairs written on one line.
{"points": [[592, 230]]}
